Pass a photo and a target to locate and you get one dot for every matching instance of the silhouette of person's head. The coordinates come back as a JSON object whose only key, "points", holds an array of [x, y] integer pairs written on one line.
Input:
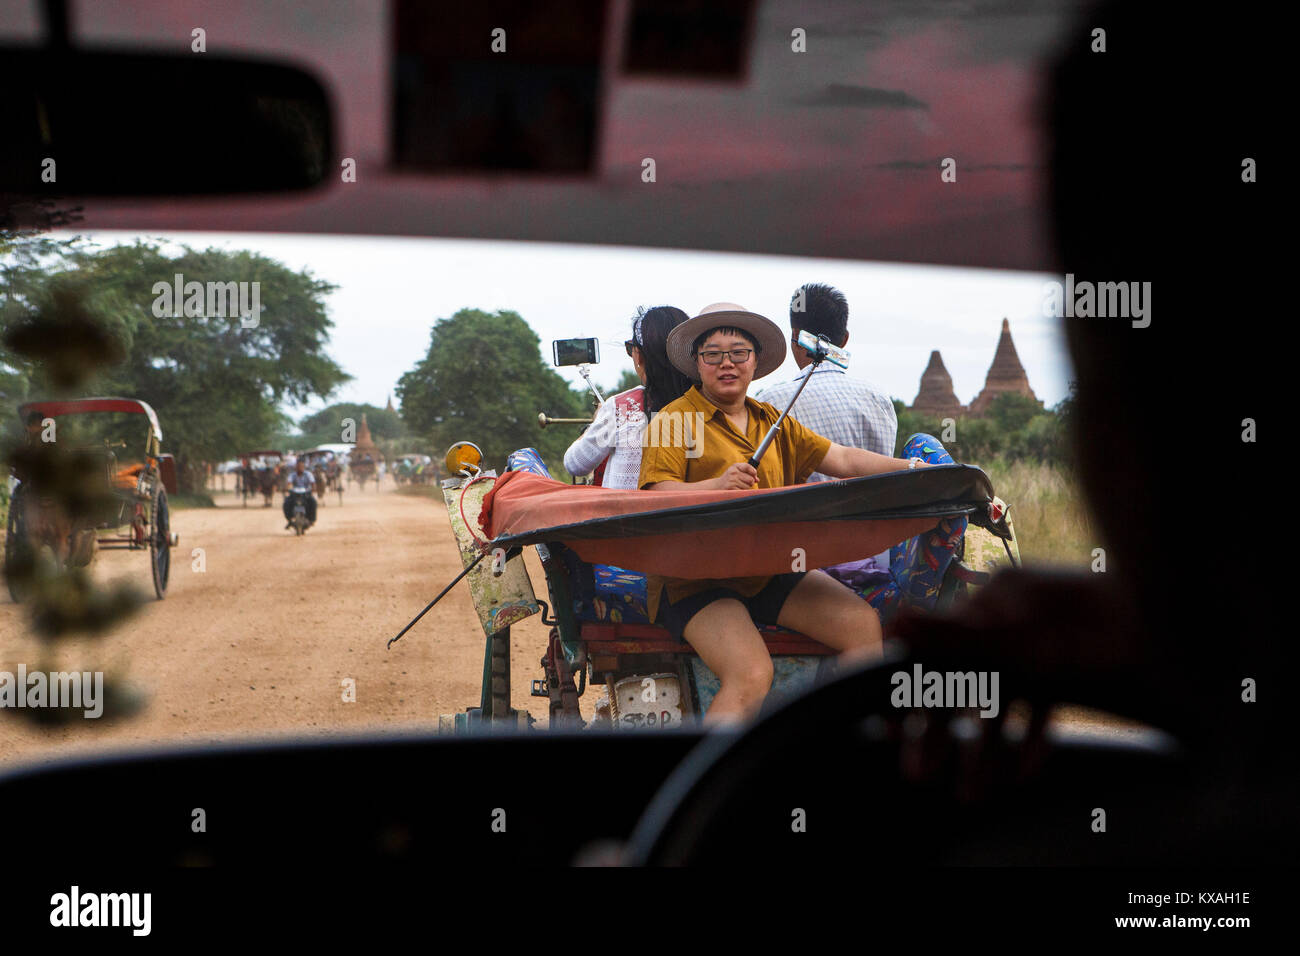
{"points": [[1147, 142]]}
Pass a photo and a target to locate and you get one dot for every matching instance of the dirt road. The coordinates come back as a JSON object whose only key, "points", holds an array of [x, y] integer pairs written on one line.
{"points": [[260, 641]]}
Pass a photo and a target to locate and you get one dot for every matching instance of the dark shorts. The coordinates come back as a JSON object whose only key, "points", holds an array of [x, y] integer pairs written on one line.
{"points": [[764, 607]]}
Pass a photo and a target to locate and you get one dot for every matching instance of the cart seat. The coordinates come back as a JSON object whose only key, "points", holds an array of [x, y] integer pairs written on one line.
{"points": [[609, 604], [610, 638], [126, 479]]}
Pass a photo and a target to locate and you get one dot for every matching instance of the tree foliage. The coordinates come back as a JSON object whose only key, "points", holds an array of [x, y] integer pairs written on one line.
{"points": [[629, 380], [484, 380], [216, 385], [326, 426], [1015, 428]]}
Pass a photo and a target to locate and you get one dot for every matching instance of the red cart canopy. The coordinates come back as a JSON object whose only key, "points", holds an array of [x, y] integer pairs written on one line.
{"points": [[710, 534], [78, 406]]}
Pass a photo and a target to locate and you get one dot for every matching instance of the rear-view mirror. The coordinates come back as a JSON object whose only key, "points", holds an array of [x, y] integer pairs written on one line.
{"points": [[112, 124]]}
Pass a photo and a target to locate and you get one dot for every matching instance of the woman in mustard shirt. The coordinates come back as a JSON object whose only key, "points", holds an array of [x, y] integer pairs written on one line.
{"points": [[722, 350]]}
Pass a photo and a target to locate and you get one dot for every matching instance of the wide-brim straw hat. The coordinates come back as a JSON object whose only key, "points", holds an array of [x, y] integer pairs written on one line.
{"points": [[767, 333]]}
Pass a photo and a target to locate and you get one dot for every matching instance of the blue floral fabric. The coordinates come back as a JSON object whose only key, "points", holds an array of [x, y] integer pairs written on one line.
{"points": [[919, 564], [604, 593], [527, 459]]}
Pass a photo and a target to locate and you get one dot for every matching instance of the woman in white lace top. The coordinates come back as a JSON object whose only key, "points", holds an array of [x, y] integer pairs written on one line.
{"points": [[615, 436]]}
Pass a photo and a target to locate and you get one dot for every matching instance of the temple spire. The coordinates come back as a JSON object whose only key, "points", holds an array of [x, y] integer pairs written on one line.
{"points": [[936, 396], [365, 444], [1006, 374]]}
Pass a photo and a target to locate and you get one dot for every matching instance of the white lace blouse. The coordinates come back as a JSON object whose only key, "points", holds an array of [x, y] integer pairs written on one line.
{"points": [[615, 434]]}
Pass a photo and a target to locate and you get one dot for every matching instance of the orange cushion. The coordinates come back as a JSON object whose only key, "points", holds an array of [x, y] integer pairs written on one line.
{"points": [[127, 477]]}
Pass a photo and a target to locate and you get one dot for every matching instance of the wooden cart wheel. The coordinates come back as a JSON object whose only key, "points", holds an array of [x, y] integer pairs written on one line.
{"points": [[160, 554], [20, 559]]}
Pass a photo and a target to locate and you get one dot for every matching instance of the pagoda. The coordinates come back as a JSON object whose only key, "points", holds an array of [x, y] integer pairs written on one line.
{"points": [[365, 444], [936, 397], [1006, 375]]}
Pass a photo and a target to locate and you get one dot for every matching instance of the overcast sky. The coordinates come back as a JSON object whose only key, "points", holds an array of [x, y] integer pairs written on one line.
{"points": [[391, 291]]}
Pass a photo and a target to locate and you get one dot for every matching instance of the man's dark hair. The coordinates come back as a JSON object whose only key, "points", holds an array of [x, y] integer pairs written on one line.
{"points": [[663, 382], [826, 312], [703, 336]]}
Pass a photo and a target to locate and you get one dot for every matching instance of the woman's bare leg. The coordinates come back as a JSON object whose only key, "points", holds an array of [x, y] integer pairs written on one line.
{"points": [[831, 614], [727, 641]]}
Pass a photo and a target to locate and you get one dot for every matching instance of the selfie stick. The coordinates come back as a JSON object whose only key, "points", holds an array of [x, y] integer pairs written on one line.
{"points": [[584, 371], [821, 350]]}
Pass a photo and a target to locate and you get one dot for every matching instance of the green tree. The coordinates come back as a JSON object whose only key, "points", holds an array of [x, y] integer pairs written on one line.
{"points": [[25, 261], [911, 422], [215, 384], [484, 380], [1012, 412], [629, 380], [326, 426]]}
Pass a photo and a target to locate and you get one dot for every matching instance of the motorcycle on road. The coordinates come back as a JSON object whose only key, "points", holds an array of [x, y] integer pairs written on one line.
{"points": [[299, 520]]}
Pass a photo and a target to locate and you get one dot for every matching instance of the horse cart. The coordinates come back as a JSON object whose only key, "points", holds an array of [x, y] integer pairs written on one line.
{"points": [[586, 537], [412, 469], [325, 468], [119, 442], [363, 469], [261, 473]]}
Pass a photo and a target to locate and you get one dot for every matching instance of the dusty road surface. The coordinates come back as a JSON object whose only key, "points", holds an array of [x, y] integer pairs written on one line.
{"points": [[258, 644]]}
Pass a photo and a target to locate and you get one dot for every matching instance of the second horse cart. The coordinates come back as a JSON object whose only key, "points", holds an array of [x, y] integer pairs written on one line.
{"points": [[121, 442]]}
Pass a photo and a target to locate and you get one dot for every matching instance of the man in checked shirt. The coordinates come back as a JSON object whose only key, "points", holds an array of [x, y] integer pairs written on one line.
{"points": [[848, 411], [854, 413]]}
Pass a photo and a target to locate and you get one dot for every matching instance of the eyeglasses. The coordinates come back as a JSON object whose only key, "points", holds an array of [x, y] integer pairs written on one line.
{"points": [[738, 356]]}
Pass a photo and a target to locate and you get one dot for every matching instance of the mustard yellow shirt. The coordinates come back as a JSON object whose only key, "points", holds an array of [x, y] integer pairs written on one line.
{"points": [[691, 439]]}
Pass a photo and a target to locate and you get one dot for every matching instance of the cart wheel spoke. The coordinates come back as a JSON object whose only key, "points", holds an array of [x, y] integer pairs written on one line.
{"points": [[160, 541]]}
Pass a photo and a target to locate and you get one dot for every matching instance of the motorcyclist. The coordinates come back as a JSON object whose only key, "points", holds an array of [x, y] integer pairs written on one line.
{"points": [[301, 482]]}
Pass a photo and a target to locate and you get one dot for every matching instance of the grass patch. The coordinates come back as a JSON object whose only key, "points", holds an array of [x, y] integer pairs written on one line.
{"points": [[1052, 522]]}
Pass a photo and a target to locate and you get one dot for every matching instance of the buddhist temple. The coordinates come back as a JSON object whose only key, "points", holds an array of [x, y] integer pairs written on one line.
{"points": [[936, 396], [1006, 374], [365, 444]]}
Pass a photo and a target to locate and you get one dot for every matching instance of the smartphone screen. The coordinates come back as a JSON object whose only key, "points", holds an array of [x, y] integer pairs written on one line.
{"points": [[576, 351]]}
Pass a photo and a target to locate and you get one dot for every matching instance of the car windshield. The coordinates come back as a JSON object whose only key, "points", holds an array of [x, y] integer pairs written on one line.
{"points": [[351, 319]]}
